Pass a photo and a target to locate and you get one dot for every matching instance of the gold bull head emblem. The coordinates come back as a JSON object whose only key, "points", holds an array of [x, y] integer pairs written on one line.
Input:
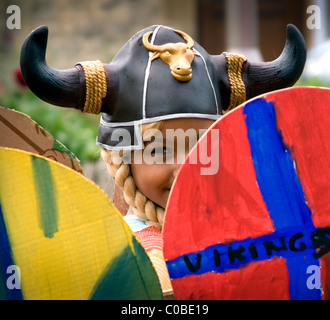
{"points": [[178, 56]]}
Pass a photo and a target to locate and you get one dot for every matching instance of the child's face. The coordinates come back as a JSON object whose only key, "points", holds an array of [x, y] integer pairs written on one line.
{"points": [[163, 156]]}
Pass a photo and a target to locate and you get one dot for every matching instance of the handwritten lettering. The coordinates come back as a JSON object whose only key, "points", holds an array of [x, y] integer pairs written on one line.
{"points": [[284, 243]]}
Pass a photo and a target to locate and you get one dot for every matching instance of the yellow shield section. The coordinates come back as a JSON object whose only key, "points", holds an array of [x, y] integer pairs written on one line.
{"points": [[65, 235]]}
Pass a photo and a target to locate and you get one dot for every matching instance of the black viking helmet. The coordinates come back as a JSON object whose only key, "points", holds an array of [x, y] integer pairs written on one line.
{"points": [[159, 74]]}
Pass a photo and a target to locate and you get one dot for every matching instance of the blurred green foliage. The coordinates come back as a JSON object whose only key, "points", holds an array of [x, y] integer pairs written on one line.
{"points": [[77, 131], [313, 82]]}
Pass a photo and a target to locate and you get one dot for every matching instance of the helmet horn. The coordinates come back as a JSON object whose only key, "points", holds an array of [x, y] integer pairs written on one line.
{"points": [[65, 88], [280, 73]]}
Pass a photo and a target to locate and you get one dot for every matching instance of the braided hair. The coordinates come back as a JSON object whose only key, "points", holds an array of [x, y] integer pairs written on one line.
{"points": [[142, 207]]}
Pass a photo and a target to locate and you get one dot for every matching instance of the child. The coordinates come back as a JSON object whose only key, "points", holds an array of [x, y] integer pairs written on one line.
{"points": [[146, 184], [160, 81]]}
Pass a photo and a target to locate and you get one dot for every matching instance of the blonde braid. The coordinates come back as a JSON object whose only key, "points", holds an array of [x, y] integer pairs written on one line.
{"points": [[143, 207]]}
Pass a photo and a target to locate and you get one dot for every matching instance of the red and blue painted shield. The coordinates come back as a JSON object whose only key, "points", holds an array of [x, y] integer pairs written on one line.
{"points": [[250, 219]]}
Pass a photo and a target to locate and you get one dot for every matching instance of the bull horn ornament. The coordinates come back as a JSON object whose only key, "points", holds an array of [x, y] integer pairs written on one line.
{"points": [[178, 56], [136, 87]]}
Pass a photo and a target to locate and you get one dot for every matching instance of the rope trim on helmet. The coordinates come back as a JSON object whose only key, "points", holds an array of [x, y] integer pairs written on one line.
{"points": [[238, 91], [96, 85]]}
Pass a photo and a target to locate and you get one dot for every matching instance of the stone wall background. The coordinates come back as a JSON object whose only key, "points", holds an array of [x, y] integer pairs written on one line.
{"points": [[88, 30]]}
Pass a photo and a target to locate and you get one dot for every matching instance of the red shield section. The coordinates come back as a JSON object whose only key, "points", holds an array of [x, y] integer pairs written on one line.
{"points": [[250, 219]]}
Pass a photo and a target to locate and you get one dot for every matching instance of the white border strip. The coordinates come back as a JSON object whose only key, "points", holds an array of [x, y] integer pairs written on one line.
{"points": [[146, 74], [159, 118]]}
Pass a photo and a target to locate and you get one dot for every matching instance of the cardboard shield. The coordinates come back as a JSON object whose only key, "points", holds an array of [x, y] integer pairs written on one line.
{"points": [[62, 238], [19, 131], [249, 214]]}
